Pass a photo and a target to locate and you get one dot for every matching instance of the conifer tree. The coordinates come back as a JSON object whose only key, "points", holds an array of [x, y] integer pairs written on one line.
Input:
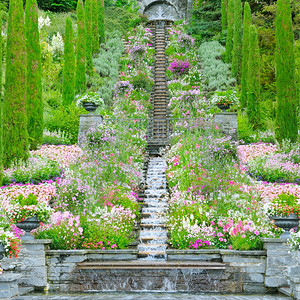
{"points": [[69, 65], [15, 136], [95, 27], [80, 79], [245, 53], [224, 4], [89, 38], [101, 21], [287, 102], [253, 110], [1, 118], [34, 100], [236, 68], [230, 30]]}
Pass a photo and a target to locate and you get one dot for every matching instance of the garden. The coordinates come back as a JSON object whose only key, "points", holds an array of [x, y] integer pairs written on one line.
{"points": [[223, 194]]}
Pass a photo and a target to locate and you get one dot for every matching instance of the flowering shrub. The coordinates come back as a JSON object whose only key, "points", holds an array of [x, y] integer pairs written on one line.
{"points": [[226, 98], [21, 208], [121, 87], [10, 242], [36, 170], [284, 205], [89, 97], [294, 241], [179, 67]]}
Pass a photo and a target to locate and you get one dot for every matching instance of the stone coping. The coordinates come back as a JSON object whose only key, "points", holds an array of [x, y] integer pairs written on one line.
{"points": [[9, 277], [274, 240], [36, 241], [90, 115], [226, 113], [217, 251], [86, 251]]}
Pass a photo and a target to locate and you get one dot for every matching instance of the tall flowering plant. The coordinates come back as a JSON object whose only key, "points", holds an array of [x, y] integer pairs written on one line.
{"points": [[179, 67]]}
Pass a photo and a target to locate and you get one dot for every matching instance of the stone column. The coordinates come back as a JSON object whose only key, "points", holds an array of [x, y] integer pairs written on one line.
{"points": [[9, 285], [85, 123], [294, 276], [279, 259], [31, 264], [227, 121]]}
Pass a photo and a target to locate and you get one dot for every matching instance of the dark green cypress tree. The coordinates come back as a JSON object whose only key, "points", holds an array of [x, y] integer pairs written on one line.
{"points": [[253, 109], [69, 65], [34, 99], [95, 27], [245, 53], [287, 102], [236, 68], [1, 118], [224, 4], [80, 79], [89, 38], [15, 135], [230, 30], [101, 21]]}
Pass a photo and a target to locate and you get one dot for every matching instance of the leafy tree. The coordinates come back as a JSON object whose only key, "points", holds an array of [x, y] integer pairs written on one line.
{"points": [[89, 38], [287, 103], [101, 27], [253, 109], [230, 31], [69, 65], [34, 100], [206, 20], [224, 4], [15, 136], [95, 30], [80, 79], [245, 53], [236, 68]]}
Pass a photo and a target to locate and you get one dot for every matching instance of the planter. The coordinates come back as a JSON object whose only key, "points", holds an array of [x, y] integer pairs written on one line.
{"points": [[223, 107], [287, 223], [90, 106], [2, 251], [28, 225]]}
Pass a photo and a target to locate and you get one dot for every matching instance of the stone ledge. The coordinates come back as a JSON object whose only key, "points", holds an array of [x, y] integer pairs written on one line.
{"points": [[273, 240], [82, 252], [36, 241], [9, 277], [243, 253]]}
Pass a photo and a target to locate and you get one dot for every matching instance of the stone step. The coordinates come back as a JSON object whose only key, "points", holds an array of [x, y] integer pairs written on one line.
{"points": [[154, 254], [153, 226]]}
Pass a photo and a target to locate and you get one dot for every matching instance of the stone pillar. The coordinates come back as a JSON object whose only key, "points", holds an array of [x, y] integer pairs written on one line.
{"points": [[85, 123], [9, 285], [227, 121], [294, 276], [31, 264], [279, 259]]}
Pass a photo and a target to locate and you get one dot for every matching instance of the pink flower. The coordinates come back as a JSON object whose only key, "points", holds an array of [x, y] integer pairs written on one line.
{"points": [[256, 232], [217, 127]]}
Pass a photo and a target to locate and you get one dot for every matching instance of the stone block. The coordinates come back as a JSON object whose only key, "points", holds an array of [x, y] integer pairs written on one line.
{"points": [[276, 281], [241, 259], [75, 258], [227, 123], [254, 288], [9, 285]]}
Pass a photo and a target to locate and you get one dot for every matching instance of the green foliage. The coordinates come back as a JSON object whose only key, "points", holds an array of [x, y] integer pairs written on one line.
{"points": [[245, 53], [36, 170], [57, 5], [206, 20], [89, 37], [95, 27], [230, 31], [216, 72], [287, 106], [15, 136], [253, 109], [34, 99], [80, 79], [68, 91], [236, 68], [66, 120], [1, 117], [101, 27], [245, 128], [224, 4]]}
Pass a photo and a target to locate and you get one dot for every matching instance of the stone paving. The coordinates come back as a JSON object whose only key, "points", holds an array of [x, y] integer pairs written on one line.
{"points": [[150, 296]]}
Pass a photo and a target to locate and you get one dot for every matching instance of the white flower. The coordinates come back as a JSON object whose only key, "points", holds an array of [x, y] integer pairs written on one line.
{"points": [[44, 22], [57, 44]]}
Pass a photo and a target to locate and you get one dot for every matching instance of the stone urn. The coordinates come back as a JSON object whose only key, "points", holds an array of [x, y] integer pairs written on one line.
{"points": [[90, 106], [2, 251], [28, 225], [287, 223], [223, 107]]}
